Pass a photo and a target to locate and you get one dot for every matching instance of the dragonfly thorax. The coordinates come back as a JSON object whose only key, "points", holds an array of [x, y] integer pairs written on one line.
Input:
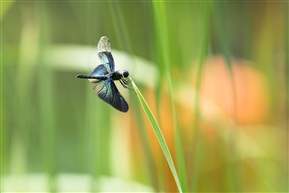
{"points": [[117, 75]]}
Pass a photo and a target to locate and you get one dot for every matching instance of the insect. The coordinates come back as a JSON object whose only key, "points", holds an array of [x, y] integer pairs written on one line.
{"points": [[105, 75]]}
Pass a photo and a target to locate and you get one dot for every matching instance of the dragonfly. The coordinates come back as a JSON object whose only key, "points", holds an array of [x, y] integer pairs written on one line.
{"points": [[105, 75]]}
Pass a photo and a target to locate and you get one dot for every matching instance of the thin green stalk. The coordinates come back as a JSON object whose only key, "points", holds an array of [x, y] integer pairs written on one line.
{"points": [[287, 83], [90, 112], [2, 162], [196, 125], [179, 149], [46, 99], [163, 38], [92, 137], [225, 39], [97, 123], [24, 80], [97, 127], [122, 28], [159, 135], [147, 148]]}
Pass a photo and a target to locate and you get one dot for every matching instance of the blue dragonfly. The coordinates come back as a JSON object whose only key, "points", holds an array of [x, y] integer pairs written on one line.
{"points": [[105, 75]]}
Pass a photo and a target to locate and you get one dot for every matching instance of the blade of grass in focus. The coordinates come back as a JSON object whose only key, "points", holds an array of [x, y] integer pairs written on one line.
{"points": [[159, 135], [144, 140]]}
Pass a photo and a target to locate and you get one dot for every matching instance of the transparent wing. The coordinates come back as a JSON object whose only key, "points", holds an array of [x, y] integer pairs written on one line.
{"points": [[108, 92], [103, 45], [104, 53]]}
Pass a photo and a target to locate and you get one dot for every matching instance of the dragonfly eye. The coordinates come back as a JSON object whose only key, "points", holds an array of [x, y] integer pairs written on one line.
{"points": [[125, 74]]}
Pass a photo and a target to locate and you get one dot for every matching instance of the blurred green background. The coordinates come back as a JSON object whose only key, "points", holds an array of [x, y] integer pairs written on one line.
{"points": [[215, 75]]}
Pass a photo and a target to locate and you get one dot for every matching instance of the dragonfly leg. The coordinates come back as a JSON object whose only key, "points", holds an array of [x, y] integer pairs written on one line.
{"points": [[122, 83], [125, 83], [126, 80]]}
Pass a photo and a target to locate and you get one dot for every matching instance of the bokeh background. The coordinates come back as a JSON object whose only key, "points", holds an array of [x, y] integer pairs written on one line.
{"points": [[215, 75]]}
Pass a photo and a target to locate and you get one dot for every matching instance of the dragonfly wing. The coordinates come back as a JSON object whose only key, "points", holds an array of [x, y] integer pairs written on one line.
{"points": [[103, 45], [104, 53], [107, 60], [108, 92], [100, 70]]}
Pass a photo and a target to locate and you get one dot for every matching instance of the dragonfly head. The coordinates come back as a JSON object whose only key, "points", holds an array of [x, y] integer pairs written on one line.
{"points": [[125, 74]]}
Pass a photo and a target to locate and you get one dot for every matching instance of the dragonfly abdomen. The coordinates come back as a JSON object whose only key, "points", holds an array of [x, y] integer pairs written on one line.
{"points": [[93, 79]]}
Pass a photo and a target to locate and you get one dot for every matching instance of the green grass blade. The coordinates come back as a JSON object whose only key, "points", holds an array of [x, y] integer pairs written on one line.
{"points": [[161, 21], [46, 98], [196, 125], [225, 45], [144, 140], [159, 135]]}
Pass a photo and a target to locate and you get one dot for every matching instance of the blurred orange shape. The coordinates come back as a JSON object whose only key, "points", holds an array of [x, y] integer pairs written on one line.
{"points": [[241, 93]]}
